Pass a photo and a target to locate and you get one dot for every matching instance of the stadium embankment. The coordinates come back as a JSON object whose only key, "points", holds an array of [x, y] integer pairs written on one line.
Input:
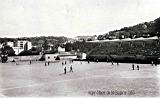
{"points": [[136, 51]]}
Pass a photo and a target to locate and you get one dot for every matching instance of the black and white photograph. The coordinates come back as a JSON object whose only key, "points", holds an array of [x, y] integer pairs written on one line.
{"points": [[79, 48]]}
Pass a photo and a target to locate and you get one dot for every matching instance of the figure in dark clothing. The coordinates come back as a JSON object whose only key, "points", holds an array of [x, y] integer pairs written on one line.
{"points": [[155, 64], [71, 69], [48, 63], [65, 62], [112, 63], [45, 64], [62, 64], [30, 62], [117, 63], [65, 70], [132, 66], [137, 67], [88, 62]]}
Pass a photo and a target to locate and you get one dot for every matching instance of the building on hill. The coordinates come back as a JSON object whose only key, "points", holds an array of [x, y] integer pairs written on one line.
{"points": [[1, 45], [20, 45], [61, 49], [11, 44]]}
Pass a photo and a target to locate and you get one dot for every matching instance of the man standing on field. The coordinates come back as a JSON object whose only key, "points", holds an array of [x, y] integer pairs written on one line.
{"points": [[71, 69]]}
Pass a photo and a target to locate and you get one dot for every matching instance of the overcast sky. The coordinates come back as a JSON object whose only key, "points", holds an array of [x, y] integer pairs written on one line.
{"points": [[20, 18]]}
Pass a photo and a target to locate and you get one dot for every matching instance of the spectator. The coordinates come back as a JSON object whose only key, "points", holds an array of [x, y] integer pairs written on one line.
{"points": [[132, 66], [137, 67], [65, 70], [30, 62], [112, 63]]}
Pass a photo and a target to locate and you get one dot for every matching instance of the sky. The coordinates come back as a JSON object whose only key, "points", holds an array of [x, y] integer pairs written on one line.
{"points": [[71, 18]]}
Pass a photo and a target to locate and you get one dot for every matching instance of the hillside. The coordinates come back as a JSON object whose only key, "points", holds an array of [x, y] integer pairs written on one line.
{"points": [[146, 29]]}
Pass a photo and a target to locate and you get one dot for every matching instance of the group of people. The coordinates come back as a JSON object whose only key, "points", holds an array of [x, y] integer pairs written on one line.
{"points": [[65, 68], [153, 63], [113, 63], [133, 66], [47, 63], [64, 63]]}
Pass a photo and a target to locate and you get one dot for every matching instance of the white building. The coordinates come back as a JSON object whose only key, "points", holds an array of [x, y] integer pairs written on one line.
{"points": [[17, 50], [81, 55], [50, 57], [11, 44], [20, 45], [60, 49], [1, 45], [84, 56], [23, 44]]}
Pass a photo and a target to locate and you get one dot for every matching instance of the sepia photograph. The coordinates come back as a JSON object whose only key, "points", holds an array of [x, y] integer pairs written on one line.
{"points": [[79, 48]]}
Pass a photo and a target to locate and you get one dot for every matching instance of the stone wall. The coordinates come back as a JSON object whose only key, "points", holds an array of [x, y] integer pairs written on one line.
{"points": [[24, 58]]}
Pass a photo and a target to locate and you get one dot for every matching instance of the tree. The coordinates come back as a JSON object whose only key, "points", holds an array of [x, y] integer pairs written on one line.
{"points": [[25, 52], [45, 45], [157, 27], [121, 36], [158, 34], [106, 36], [9, 50], [6, 50], [34, 49], [100, 37], [68, 46], [89, 39]]}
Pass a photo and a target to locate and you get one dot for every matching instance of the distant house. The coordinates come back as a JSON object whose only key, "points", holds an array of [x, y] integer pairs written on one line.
{"points": [[61, 49], [81, 55], [11, 44], [84, 55], [1, 45]]}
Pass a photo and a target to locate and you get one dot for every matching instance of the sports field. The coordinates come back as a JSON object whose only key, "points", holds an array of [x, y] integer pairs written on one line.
{"points": [[94, 79]]}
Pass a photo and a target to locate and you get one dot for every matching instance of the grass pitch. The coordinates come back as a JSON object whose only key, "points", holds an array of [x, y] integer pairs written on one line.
{"points": [[94, 79]]}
